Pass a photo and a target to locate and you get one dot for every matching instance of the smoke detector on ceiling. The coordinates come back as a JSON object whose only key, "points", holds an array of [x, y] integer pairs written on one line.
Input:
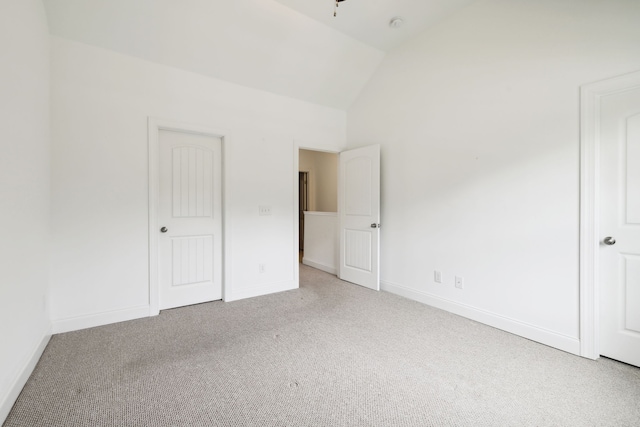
{"points": [[396, 22]]}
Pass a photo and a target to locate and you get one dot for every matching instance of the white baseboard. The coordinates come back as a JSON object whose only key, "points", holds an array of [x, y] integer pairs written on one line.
{"points": [[21, 379], [99, 319], [532, 332], [320, 266], [256, 291]]}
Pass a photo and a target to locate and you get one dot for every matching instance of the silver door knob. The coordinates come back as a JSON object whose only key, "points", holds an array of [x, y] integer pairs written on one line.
{"points": [[374, 225], [164, 229], [609, 241]]}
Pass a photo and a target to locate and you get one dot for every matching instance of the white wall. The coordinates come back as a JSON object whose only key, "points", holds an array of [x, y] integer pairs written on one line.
{"points": [[321, 246], [322, 179], [327, 181], [24, 193], [478, 122], [100, 104]]}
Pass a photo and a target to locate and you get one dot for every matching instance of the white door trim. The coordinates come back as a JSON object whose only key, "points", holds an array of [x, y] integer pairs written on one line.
{"points": [[590, 97], [156, 124]]}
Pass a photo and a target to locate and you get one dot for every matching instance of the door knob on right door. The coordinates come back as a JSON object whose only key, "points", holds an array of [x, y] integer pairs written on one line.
{"points": [[609, 241]]}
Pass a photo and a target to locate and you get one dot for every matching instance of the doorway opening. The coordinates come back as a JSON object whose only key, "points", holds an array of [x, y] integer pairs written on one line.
{"points": [[341, 232], [318, 209]]}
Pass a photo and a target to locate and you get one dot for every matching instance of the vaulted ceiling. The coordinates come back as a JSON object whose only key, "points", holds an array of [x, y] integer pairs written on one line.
{"points": [[295, 48]]}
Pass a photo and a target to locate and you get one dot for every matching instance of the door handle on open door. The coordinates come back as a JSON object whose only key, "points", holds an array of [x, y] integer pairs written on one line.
{"points": [[374, 225], [164, 229], [609, 241]]}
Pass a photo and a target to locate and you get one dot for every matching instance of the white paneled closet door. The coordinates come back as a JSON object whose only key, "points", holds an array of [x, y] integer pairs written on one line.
{"points": [[190, 219]]}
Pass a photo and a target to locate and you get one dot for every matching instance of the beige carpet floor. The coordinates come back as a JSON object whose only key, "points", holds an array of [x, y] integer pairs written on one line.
{"points": [[327, 354]]}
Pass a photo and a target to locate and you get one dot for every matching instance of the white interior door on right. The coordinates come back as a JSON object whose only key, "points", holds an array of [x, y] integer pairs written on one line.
{"points": [[620, 226], [359, 207]]}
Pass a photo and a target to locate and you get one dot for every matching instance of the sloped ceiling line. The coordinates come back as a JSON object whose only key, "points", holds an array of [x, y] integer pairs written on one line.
{"points": [[294, 48]]}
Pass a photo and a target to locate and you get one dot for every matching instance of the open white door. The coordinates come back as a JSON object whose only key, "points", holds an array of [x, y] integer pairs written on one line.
{"points": [[620, 225], [359, 207]]}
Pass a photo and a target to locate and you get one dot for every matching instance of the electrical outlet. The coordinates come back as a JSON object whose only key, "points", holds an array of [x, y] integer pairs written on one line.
{"points": [[437, 276], [264, 210], [261, 268], [459, 282]]}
